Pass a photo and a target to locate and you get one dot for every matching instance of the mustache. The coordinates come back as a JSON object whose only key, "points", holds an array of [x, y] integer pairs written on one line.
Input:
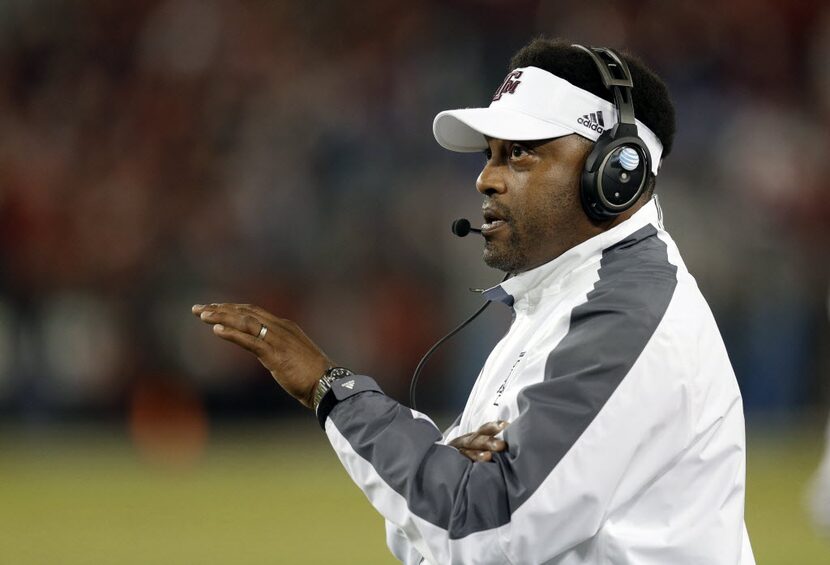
{"points": [[502, 211]]}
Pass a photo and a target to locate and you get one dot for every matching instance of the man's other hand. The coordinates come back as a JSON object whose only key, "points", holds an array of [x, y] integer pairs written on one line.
{"points": [[482, 443], [294, 361]]}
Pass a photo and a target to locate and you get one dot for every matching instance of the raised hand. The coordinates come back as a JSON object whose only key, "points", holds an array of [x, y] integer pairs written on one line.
{"points": [[294, 361]]}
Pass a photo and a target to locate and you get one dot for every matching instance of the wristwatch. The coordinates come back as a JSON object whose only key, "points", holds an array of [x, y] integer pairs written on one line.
{"points": [[325, 382]]}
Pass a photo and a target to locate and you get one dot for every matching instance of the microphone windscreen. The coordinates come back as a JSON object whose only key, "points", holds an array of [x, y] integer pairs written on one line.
{"points": [[461, 227]]}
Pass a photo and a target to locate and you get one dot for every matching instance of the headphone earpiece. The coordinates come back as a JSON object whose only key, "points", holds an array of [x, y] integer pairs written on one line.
{"points": [[614, 177], [617, 168]]}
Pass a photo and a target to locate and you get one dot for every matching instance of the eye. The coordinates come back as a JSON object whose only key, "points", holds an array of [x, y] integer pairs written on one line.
{"points": [[488, 154], [517, 151]]}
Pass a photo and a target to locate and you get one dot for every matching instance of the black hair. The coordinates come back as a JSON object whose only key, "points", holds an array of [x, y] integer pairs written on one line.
{"points": [[652, 104]]}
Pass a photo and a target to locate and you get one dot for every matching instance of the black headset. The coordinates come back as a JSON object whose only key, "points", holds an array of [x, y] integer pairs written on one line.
{"points": [[617, 168]]}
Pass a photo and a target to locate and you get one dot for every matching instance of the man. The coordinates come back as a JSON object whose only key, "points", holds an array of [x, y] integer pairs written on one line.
{"points": [[619, 422]]}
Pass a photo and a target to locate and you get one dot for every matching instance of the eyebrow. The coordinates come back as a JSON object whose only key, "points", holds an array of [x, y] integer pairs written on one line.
{"points": [[532, 143]]}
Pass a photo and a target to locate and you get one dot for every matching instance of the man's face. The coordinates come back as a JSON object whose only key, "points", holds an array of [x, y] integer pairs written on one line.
{"points": [[532, 209]]}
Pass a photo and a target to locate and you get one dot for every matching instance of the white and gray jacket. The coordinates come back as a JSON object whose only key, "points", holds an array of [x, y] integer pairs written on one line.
{"points": [[626, 435]]}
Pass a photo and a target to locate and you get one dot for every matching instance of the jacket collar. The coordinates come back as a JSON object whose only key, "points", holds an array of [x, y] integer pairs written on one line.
{"points": [[528, 287]]}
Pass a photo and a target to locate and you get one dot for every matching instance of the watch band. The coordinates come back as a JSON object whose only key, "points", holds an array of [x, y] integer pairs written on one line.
{"points": [[325, 382]]}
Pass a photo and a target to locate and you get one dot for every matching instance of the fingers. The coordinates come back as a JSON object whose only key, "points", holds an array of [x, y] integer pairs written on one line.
{"points": [[483, 438], [232, 319], [207, 312], [477, 442], [492, 428], [481, 444], [243, 317], [267, 318], [243, 339], [199, 308], [477, 456], [487, 443]]}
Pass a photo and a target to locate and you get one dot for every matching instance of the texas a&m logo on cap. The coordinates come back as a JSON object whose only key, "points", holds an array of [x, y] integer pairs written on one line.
{"points": [[509, 85]]}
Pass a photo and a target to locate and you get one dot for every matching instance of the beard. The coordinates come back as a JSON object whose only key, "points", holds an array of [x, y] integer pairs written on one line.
{"points": [[518, 250], [506, 255]]}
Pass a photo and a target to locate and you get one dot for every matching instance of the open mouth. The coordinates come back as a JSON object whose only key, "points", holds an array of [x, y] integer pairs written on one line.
{"points": [[493, 221]]}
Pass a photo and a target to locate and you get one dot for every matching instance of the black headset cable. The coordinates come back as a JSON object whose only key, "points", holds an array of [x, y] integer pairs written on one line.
{"points": [[438, 344]]}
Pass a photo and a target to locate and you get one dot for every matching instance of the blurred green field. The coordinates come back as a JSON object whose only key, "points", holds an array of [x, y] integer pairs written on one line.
{"points": [[273, 494]]}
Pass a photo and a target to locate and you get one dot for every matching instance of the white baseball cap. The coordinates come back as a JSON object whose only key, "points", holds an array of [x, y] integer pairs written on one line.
{"points": [[534, 104]]}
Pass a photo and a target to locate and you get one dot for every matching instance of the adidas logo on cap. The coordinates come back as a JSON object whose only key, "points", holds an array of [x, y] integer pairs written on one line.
{"points": [[593, 121]]}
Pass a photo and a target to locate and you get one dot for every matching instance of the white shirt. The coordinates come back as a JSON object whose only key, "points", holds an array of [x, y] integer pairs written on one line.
{"points": [[626, 435]]}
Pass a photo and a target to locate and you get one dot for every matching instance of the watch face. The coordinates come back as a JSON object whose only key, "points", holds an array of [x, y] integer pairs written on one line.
{"points": [[338, 372]]}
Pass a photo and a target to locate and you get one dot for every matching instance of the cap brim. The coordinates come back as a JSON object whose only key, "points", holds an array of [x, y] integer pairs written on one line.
{"points": [[464, 130]]}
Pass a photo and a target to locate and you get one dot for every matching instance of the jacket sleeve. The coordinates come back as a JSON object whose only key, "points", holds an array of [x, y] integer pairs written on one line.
{"points": [[396, 540], [578, 432]]}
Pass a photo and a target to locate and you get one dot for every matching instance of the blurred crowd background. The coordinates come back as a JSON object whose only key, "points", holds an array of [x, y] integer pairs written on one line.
{"points": [[160, 153]]}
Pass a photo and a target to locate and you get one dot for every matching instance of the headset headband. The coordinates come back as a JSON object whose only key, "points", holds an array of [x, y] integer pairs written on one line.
{"points": [[616, 77]]}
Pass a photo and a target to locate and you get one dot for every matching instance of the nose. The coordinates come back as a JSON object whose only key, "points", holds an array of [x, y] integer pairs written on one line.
{"points": [[491, 179]]}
